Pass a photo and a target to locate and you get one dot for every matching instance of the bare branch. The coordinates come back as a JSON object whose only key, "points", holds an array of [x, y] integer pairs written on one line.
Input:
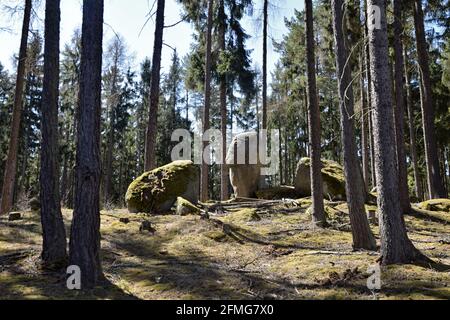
{"points": [[176, 23]]}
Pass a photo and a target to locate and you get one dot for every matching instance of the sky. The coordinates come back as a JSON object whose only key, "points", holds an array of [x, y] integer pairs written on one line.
{"points": [[128, 17]]}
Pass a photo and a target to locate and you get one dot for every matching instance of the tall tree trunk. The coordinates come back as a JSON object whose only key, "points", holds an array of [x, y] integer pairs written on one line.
{"points": [[63, 182], [107, 188], [400, 109], [85, 231], [445, 166], [362, 235], [280, 158], [395, 245], [150, 145], [53, 231], [318, 212], [264, 71], [372, 145], [364, 127], [412, 134], [369, 102], [11, 160], [435, 186], [223, 109], [205, 120], [286, 157]]}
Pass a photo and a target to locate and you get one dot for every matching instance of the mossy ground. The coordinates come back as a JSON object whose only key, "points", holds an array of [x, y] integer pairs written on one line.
{"points": [[271, 252]]}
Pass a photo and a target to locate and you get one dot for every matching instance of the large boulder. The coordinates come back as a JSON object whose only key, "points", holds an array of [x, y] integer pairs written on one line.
{"points": [[332, 175], [245, 168], [156, 191]]}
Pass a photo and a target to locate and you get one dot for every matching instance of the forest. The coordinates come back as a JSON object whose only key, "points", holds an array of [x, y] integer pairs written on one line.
{"points": [[215, 175]]}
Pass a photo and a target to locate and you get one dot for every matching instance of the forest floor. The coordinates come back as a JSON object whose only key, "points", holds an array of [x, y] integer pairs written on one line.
{"points": [[269, 252]]}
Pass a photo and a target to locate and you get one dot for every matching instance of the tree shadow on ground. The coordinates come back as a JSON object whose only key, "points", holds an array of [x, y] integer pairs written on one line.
{"points": [[23, 279], [421, 214], [165, 266]]}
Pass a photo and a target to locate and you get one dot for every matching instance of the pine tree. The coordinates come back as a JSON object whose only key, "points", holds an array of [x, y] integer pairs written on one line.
{"points": [[435, 186], [85, 231], [150, 162], [69, 96], [318, 211], [11, 161], [204, 184], [395, 244], [362, 235], [53, 230]]}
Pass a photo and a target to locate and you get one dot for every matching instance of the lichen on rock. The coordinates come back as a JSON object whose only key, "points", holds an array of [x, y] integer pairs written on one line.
{"points": [[156, 191]]}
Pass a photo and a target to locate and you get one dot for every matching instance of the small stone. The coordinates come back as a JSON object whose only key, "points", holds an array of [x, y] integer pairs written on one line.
{"points": [[124, 220], [372, 217], [147, 226], [35, 204], [270, 296], [14, 216], [183, 207]]}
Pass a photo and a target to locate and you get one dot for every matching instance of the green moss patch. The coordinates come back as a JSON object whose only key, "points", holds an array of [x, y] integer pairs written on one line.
{"points": [[243, 216]]}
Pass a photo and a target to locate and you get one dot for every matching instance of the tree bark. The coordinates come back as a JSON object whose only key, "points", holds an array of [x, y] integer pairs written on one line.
{"points": [[369, 101], [264, 71], [412, 134], [150, 145], [400, 109], [318, 212], [435, 186], [395, 245], [85, 231], [11, 160], [364, 127], [205, 121], [362, 235], [53, 231], [286, 157], [224, 195]]}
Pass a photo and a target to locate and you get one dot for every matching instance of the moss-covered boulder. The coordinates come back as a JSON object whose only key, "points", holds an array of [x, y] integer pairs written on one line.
{"points": [[277, 193], [184, 207], [436, 205], [332, 175], [156, 191]]}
